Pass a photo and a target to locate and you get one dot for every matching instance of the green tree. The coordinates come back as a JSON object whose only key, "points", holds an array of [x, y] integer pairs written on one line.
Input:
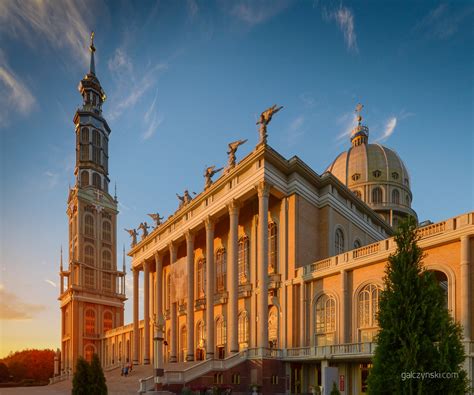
{"points": [[417, 333], [81, 382], [334, 390], [98, 386]]}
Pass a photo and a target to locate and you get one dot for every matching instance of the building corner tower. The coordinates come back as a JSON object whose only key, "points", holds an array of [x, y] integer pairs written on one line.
{"points": [[92, 290]]}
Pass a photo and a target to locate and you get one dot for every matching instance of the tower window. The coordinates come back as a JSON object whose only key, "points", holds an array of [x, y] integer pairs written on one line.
{"points": [[84, 152], [395, 196], [272, 247], [106, 260], [84, 178], [107, 231], [108, 322], [89, 255], [377, 195], [85, 135], [377, 173], [89, 225], [339, 242], [90, 322], [96, 180], [96, 147]]}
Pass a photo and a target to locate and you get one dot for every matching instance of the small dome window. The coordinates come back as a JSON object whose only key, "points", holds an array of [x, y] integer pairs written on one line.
{"points": [[377, 173], [355, 176], [406, 181], [395, 175]]}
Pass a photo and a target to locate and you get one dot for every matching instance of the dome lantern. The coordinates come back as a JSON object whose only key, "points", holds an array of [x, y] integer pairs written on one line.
{"points": [[360, 134]]}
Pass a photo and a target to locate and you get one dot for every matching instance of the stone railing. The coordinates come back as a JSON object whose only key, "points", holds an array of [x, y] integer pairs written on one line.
{"points": [[386, 245], [61, 377], [345, 350], [146, 384]]}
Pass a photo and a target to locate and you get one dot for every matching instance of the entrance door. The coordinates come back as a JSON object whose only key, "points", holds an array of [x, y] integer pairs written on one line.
{"points": [[296, 378], [364, 374]]}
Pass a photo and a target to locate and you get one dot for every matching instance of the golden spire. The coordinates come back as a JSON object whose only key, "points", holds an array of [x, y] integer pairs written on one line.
{"points": [[358, 109], [91, 47]]}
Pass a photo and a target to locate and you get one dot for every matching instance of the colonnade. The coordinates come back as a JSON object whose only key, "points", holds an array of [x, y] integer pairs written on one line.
{"points": [[233, 209]]}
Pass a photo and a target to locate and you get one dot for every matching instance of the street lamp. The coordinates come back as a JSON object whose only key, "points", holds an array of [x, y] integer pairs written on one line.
{"points": [[158, 351]]}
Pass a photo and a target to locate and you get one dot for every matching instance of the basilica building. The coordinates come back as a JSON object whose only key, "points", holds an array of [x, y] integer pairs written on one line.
{"points": [[270, 277]]}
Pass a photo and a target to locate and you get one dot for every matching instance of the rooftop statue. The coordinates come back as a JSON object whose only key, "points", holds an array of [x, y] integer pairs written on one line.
{"points": [[185, 199], [133, 233], [209, 173], [232, 150], [265, 118], [156, 217], [144, 227]]}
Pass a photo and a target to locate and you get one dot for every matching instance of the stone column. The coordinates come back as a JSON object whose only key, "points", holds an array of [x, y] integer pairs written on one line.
{"points": [[465, 287], [209, 288], [190, 303], [159, 324], [262, 262], [174, 311], [233, 277], [344, 309], [146, 313], [302, 314], [136, 329]]}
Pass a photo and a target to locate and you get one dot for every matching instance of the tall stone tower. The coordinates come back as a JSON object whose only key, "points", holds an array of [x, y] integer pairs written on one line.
{"points": [[92, 289]]}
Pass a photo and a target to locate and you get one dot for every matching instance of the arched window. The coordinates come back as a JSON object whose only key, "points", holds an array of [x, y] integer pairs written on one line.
{"points": [[368, 306], [407, 200], [89, 277], [357, 244], [89, 322], [273, 327], [325, 320], [395, 196], [200, 330], [84, 178], [442, 280], [243, 329], [183, 340], [272, 247], [201, 279], [168, 291], [108, 323], [221, 332], [339, 241], [89, 351], [243, 259], [107, 231], [220, 270], [107, 265], [96, 180], [377, 195], [89, 225]]}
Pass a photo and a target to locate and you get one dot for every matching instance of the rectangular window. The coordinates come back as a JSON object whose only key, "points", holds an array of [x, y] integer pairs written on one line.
{"points": [[89, 277]]}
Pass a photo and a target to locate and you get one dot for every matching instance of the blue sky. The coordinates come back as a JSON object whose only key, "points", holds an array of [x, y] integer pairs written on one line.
{"points": [[185, 78]]}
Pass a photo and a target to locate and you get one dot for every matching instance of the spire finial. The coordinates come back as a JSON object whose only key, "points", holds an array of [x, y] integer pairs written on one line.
{"points": [[358, 109], [92, 49], [115, 191]]}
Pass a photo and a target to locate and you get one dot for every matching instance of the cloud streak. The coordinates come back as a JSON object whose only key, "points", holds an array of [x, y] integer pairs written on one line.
{"points": [[389, 128], [255, 12], [61, 25], [13, 308], [344, 19], [16, 97], [50, 282]]}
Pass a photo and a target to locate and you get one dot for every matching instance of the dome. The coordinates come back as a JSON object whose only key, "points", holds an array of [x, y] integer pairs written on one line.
{"points": [[376, 174]]}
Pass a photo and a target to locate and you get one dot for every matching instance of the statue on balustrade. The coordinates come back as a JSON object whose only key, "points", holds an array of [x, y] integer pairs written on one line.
{"points": [[264, 120], [232, 150], [144, 227], [156, 217], [209, 173], [133, 234]]}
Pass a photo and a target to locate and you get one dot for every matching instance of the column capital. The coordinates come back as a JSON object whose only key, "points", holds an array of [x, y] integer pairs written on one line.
{"points": [[465, 238], [234, 206], [172, 247], [209, 223], [189, 236], [158, 256], [263, 189]]}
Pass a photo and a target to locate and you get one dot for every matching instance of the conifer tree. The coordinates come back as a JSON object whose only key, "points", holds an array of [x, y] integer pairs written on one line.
{"points": [[81, 382], [98, 386], [417, 333]]}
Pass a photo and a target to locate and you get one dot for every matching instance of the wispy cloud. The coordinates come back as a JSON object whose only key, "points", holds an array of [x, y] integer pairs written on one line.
{"points": [[50, 282], [295, 130], [192, 8], [52, 178], [153, 119], [442, 22], [13, 308], [16, 96], [255, 12], [346, 123], [388, 129], [61, 25], [308, 100], [344, 19]]}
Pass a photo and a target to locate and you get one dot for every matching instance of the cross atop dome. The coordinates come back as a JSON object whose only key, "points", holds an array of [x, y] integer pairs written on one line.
{"points": [[92, 49], [360, 134]]}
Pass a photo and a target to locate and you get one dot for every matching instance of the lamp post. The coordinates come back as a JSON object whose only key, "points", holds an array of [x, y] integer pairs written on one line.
{"points": [[158, 351]]}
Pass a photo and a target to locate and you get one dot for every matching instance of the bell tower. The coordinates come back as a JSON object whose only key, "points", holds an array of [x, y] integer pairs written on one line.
{"points": [[92, 291]]}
